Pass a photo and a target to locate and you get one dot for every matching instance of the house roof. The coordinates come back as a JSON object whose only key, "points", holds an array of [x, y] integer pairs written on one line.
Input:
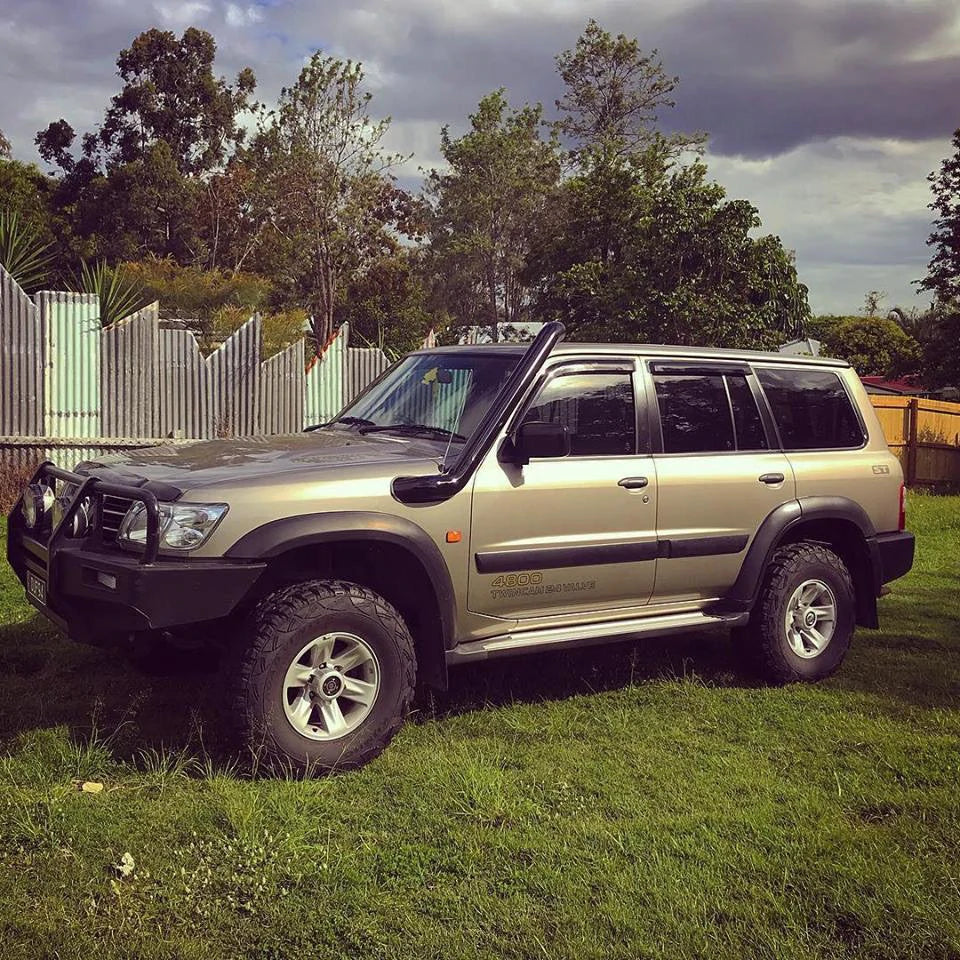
{"points": [[905, 386]]}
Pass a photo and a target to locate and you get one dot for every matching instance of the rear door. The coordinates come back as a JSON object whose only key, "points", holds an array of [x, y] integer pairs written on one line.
{"points": [[821, 430], [574, 534], [719, 474]]}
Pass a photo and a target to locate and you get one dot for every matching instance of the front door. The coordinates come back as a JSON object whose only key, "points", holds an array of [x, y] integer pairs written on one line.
{"points": [[568, 534], [719, 475]]}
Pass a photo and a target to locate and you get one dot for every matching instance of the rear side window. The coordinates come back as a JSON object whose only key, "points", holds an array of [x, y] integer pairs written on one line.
{"points": [[694, 414], [812, 409], [707, 414]]}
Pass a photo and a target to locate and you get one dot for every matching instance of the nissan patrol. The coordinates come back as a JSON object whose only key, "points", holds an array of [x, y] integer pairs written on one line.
{"points": [[479, 502]]}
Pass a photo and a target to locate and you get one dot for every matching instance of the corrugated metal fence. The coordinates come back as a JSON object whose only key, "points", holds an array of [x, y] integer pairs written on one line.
{"points": [[70, 389]]}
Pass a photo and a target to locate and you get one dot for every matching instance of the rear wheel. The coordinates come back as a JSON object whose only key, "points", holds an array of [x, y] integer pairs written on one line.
{"points": [[801, 628], [327, 678]]}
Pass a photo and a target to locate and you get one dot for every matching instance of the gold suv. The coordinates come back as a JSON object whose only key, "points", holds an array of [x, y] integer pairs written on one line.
{"points": [[478, 502]]}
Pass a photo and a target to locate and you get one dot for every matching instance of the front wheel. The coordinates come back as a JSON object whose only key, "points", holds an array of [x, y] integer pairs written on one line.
{"points": [[327, 678], [801, 628]]}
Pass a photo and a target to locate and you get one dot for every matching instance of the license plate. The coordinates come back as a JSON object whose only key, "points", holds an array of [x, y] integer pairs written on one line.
{"points": [[37, 588]]}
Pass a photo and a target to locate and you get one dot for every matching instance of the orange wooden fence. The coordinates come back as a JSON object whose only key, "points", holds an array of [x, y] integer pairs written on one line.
{"points": [[924, 435]]}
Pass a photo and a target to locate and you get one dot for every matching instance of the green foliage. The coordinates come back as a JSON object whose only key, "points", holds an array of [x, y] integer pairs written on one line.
{"points": [[169, 95], [943, 272], [613, 94], [29, 193], [23, 252], [322, 180], [647, 250], [485, 207], [119, 293], [387, 306], [630, 246], [139, 182], [819, 327], [872, 345], [141, 208], [195, 293], [940, 342], [280, 329]]}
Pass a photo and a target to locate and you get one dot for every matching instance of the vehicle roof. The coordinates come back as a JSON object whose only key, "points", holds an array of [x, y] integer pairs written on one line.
{"points": [[645, 350]]}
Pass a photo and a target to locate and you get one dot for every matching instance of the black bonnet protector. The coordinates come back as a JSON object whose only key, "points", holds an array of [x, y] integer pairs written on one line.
{"points": [[162, 491], [438, 487]]}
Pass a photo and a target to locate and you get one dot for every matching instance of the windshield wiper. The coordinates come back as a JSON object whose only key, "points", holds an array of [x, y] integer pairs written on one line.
{"points": [[414, 428], [349, 421]]}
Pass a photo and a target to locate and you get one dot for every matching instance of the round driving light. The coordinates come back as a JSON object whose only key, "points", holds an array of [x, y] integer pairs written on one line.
{"points": [[37, 500], [81, 523]]}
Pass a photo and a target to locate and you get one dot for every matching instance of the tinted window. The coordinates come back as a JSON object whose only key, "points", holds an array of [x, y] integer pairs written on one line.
{"points": [[746, 416], [708, 414], [694, 414], [597, 409], [811, 408]]}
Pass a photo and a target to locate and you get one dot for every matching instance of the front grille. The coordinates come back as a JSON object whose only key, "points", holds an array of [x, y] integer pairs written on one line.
{"points": [[113, 511]]}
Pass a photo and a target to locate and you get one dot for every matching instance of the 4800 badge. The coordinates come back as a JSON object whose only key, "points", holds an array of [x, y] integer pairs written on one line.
{"points": [[531, 584]]}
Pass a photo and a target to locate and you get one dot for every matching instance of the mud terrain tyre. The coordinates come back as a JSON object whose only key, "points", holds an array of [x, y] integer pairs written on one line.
{"points": [[326, 678], [801, 627]]}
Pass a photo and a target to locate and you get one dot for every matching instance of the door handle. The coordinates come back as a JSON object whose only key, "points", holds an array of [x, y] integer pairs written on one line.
{"points": [[633, 483], [771, 478]]}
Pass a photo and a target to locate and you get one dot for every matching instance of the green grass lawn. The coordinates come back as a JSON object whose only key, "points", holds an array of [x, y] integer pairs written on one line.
{"points": [[636, 801]]}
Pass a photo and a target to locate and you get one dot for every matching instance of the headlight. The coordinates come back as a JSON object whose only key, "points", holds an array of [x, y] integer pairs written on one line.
{"points": [[37, 499], [183, 526]]}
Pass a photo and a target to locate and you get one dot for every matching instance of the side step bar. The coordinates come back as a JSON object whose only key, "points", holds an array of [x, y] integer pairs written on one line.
{"points": [[582, 635]]}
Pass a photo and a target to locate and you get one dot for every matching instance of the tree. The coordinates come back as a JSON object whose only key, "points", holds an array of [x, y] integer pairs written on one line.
{"points": [[485, 207], [636, 244], [169, 95], [650, 251], [938, 332], [941, 346], [136, 186], [386, 307], [614, 92], [943, 271], [873, 302], [5, 149], [322, 181], [872, 345], [26, 191], [141, 208]]}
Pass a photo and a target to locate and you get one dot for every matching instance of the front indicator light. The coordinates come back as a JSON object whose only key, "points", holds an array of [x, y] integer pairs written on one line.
{"points": [[183, 526]]}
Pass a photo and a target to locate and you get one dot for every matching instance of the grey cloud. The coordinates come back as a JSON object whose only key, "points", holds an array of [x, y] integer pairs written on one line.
{"points": [[759, 77], [762, 80]]}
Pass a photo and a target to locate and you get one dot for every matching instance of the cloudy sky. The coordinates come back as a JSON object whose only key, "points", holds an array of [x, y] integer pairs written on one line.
{"points": [[827, 114]]}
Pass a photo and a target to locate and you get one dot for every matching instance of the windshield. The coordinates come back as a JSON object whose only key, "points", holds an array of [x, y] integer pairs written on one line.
{"points": [[440, 394]]}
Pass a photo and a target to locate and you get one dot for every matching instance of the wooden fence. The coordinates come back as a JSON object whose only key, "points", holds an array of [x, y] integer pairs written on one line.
{"points": [[924, 435]]}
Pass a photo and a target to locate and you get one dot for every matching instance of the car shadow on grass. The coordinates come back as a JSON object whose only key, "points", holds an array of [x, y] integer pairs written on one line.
{"points": [[49, 681], [709, 657]]}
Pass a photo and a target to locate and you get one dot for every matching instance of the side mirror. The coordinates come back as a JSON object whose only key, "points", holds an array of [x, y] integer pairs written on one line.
{"points": [[538, 439]]}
